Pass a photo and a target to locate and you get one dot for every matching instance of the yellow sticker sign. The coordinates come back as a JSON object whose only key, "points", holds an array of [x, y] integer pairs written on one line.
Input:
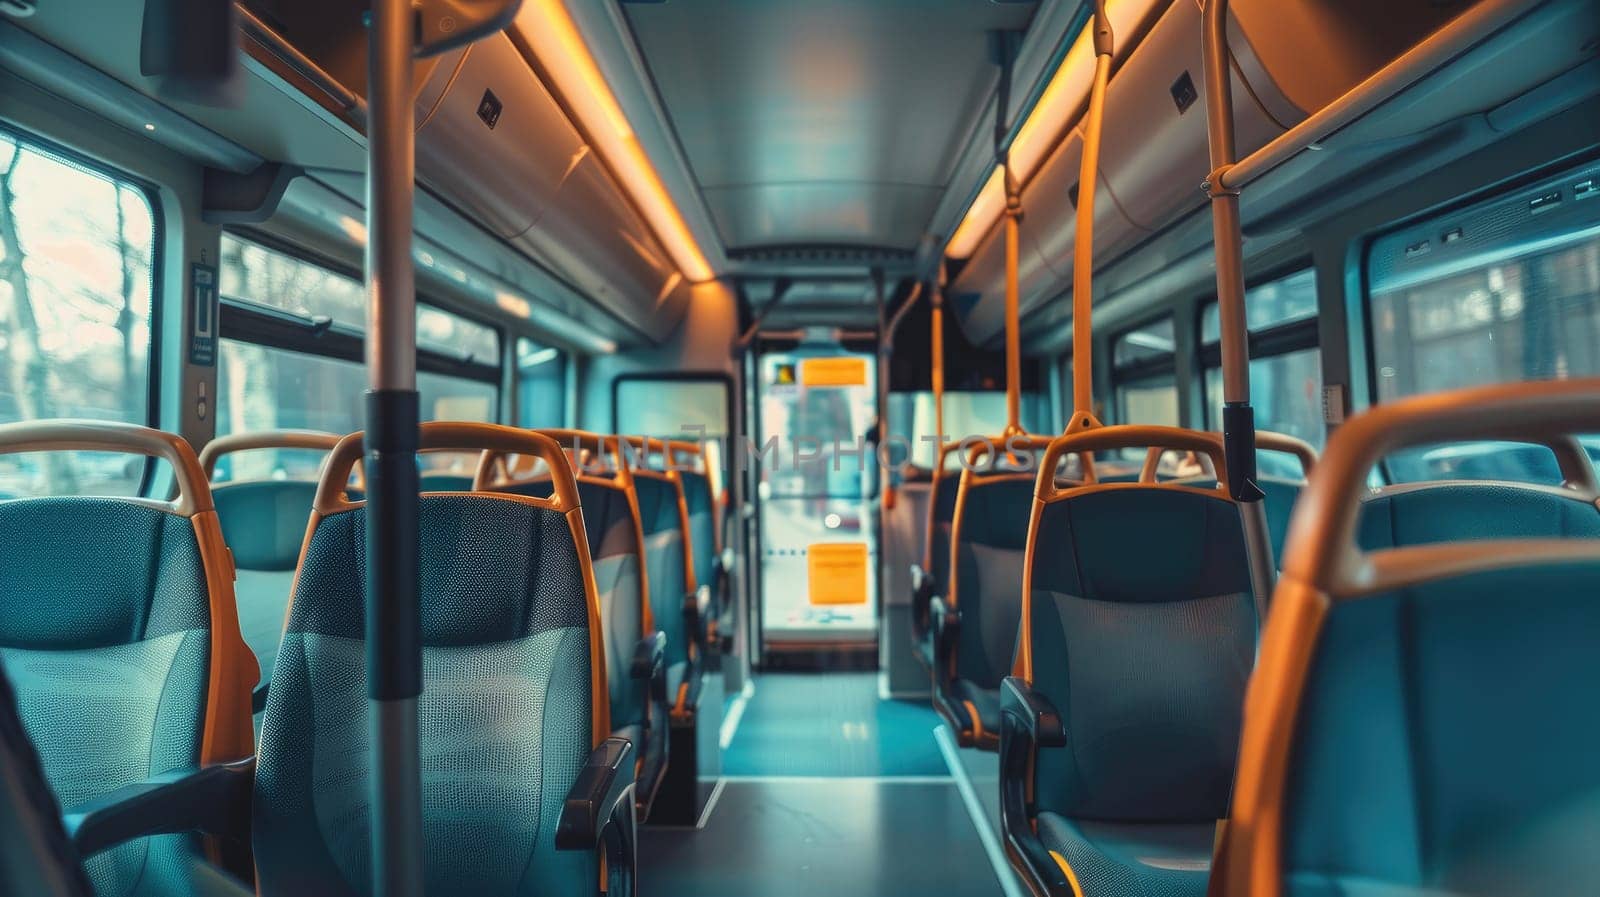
{"points": [[836, 572], [833, 372]]}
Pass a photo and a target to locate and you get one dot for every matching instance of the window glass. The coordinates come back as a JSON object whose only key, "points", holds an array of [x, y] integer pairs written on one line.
{"points": [[456, 337], [1286, 393], [76, 254], [541, 385], [253, 273], [261, 388], [1153, 340], [911, 418], [257, 274], [1153, 400], [1528, 316], [1292, 298], [672, 409]]}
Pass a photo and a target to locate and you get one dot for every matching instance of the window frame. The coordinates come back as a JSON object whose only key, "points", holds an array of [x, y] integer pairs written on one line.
{"points": [[251, 322], [1145, 369], [151, 192], [1283, 338]]}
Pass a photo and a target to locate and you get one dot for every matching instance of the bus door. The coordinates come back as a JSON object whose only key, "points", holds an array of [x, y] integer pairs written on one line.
{"points": [[817, 482]]}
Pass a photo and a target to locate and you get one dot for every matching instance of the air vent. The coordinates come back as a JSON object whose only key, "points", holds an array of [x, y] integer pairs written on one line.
{"points": [[838, 255]]}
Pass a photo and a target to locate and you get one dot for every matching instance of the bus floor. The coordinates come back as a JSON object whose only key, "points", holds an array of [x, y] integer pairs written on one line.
{"points": [[828, 789]]}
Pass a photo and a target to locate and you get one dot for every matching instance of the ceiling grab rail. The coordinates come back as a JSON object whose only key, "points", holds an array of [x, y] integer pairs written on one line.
{"points": [[1083, 416], [1238, 418]]}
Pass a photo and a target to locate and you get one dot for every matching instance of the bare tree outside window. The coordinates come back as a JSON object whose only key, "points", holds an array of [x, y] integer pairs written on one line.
{"points": [[76, 249]]}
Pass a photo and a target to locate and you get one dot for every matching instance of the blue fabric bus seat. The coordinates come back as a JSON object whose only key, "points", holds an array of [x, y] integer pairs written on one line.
{"points": [[104, 629], [702, 534], [505, 718], [941, 513], [1143, 634], [264, 523], [990, 537], [118, 630], [1444, 742], [618, 558], [666, 571]]}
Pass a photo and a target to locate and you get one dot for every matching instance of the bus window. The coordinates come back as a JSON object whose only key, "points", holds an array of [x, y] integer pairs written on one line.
{"points": [[1144, 374], [687, 408], [1285, 366], [77, 251], [1518, 302], [291, 349], [541, 385], [966, 413]]}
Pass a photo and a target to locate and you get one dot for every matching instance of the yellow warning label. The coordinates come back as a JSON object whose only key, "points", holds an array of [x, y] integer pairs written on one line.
{"points": [[836, 572], [833, 372]]}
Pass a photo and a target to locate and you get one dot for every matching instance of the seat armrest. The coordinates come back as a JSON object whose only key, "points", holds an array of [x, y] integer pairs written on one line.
{"points": [[212, 799], [946, 626], [921, 584], [696, 606], [649, 656], [1031, 713], [604, 785], [1028, 722]]}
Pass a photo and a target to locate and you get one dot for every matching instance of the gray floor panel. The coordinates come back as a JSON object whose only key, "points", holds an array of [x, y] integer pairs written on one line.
{"points": [[822, 837]]}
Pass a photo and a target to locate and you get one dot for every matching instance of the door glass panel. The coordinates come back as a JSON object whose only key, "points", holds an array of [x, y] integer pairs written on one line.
{"points": [[818, 482]]}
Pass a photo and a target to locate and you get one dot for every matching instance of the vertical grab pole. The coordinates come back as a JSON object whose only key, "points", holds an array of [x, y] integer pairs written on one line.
{"points": [[393, 617], [1013, 303], [1238, 418], [1083, 247]]}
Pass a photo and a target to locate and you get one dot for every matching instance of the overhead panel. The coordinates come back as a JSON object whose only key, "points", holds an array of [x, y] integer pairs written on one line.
{"points": [[830, 121]]}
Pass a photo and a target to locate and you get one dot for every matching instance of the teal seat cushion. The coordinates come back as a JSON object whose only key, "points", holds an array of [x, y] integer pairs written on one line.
{"points": [[504, 718], [105, 632], [1440, 746], [1132, 859]]}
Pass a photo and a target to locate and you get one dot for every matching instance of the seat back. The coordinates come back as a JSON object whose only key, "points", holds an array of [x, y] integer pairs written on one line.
{"points": [[660, 513], [701, 506], [1439, 742], [264, 523], [514, 688], [942, 490], [1140, 625], [118, 629], [1414, 725], [989, 537], [616, 549]]}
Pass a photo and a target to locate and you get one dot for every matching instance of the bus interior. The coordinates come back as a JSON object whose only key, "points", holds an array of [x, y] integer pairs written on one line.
{"points": [[699, 448]]}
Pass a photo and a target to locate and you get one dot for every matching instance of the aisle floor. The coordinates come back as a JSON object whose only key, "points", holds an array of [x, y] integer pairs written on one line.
{"points": [[830, 790]]}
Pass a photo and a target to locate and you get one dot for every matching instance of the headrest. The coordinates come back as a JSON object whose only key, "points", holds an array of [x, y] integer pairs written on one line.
{"points": [[492, 569], [1141, 544], [264, 521], [95, 572], [1462, 511]]}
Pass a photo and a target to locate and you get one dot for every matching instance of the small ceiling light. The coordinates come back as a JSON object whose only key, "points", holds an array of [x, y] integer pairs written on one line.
{"points": [[149, 126]]}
